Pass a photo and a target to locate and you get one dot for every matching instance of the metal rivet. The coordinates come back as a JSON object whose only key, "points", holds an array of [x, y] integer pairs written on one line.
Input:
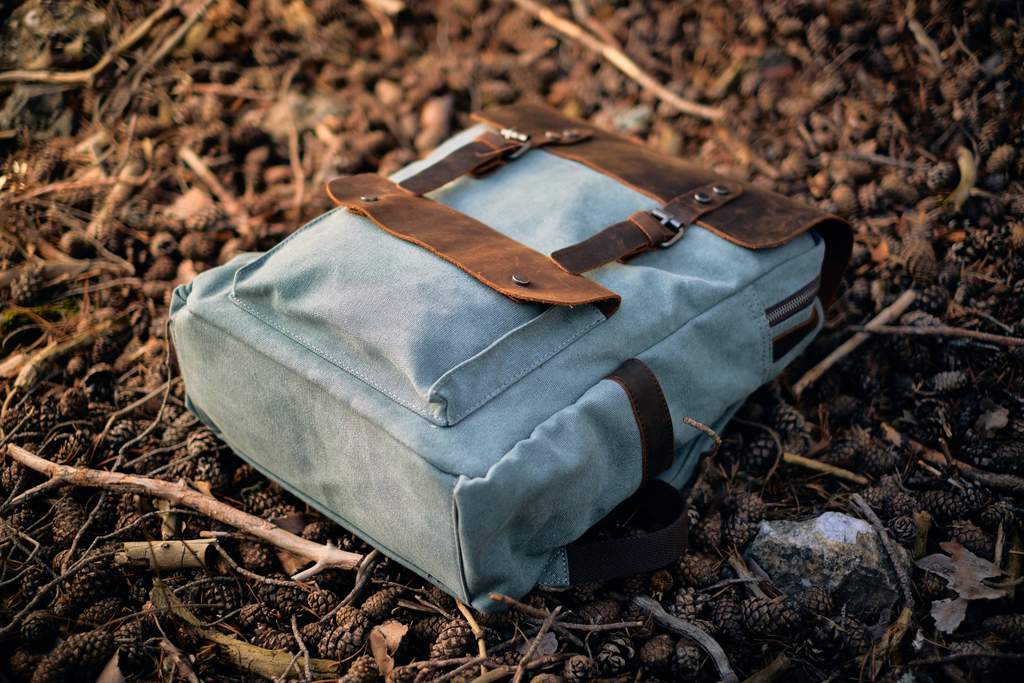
{"points": [[520, 280], [721, 189], [368, 198], [702, 197]]}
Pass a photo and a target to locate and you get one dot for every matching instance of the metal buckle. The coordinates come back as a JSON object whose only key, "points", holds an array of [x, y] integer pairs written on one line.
{"points": [[672, 224], [513, 135]]}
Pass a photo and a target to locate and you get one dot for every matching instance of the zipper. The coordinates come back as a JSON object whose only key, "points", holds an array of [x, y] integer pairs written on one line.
{"points": [[794, 303]]}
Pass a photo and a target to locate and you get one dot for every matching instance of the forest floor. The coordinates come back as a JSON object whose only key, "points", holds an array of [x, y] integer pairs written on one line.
{"points": [[144, 142]]}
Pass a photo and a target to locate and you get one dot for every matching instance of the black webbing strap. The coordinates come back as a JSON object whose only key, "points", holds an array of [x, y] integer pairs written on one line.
{"points": [[659, 506], [656, 506]]}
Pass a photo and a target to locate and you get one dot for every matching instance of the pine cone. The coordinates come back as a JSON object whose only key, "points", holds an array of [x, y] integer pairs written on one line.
{"points": [[614, 655], [272, 639], [942, 177], [727, 618], [1000, 512], [844, 199], [379, 605], [319, 531], [578, 669], [739, 530], [202, 442], [23, 663], [27, 288], [39, 629], [68, 518], [898, 191], [604, 611], [321, 601], [793, 429], [428, 628], [199, 247], [261, 501], [903, 531], [88, 586], [80, 657], [362, 670], [102, 612], [760, 455], [880, 459], [656, 654], [843, 636], [256, 557], [933, 299], [454, 640], [815, 600], [973, 538], [73, 403], [946, 505], [688, 604], [687, 660], [696, 570], [285, 599], [254, 614], [707, 532], [768, 616], [1001, 159], [209, 469], [73, 448]]}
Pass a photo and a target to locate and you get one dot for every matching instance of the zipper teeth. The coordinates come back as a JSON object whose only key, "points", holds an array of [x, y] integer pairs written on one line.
{"points": [[793, 303]]}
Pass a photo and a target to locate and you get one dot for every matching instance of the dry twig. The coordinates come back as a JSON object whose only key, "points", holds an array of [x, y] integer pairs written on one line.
{"points": [[893, 310], [324, 556], [818, 466], [619, 60], [691, 631], [942, 331]]}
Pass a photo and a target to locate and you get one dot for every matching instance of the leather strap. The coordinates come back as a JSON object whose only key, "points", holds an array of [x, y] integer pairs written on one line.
{"points": [[759, 219], [496, 260], [645, 230], [488, 151], [788, 340], [650, 409], [659, 506]]}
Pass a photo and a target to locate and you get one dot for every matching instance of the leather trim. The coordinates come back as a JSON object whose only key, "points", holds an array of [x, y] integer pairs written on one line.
{"points": [[478, 156], [651, 411], [486, 153], [621, 241], [759, 219], [484, 253], [790, 339]]}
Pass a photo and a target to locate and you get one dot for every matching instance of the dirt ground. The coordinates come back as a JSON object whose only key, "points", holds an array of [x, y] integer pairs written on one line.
{"points": [[144, 142]]}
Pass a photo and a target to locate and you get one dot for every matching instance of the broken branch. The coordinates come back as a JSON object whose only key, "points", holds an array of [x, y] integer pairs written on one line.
{"points": [[324, 556]]}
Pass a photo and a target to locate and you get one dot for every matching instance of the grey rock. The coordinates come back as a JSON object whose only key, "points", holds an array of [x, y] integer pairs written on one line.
{"points": [[836, 551]]}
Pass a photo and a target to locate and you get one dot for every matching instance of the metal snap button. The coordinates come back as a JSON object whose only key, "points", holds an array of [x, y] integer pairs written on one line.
{"points": [[520, 280], [702, 197], [368, 198], [721, 190]]}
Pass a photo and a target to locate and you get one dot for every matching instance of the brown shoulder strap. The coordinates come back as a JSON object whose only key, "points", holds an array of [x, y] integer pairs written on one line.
{"points": [[650, 409], [496, 260], [758, 219]]}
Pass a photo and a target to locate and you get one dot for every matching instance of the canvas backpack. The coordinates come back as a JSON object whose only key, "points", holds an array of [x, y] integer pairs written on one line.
{"points": [[473, 362]]}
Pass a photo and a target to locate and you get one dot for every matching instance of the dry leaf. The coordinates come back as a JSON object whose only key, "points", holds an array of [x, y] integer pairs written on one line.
{"points": [[189, 204], [880, 254], [385, 640], [964, 573], [548, 645]]}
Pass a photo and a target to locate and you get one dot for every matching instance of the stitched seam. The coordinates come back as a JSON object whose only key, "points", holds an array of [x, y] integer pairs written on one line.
{"points": [[527, 369], [756, 308], [645, 471]]}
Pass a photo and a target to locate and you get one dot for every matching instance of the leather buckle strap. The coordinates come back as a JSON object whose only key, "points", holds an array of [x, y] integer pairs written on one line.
{"points": [[645, 230], [487, 152], [491, 257]]}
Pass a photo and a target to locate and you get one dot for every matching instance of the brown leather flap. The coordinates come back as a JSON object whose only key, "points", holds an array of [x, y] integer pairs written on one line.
{"points": [[501, 263], [758, 219]]}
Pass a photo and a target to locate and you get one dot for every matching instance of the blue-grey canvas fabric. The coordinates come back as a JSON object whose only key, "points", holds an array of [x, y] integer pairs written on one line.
{"points": [[468, 436]]}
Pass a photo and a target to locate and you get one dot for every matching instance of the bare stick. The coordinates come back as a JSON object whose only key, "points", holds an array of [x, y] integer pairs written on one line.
{"points": [[481, 640], [893, 310], [324, 556], [942, 331], [537, 613], [232, 206], [619, 60], [694, 633], [86, 76], [528, 655], [824, 467], [890, 548], [200, 7], [1000, 482], [303, 648]]}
